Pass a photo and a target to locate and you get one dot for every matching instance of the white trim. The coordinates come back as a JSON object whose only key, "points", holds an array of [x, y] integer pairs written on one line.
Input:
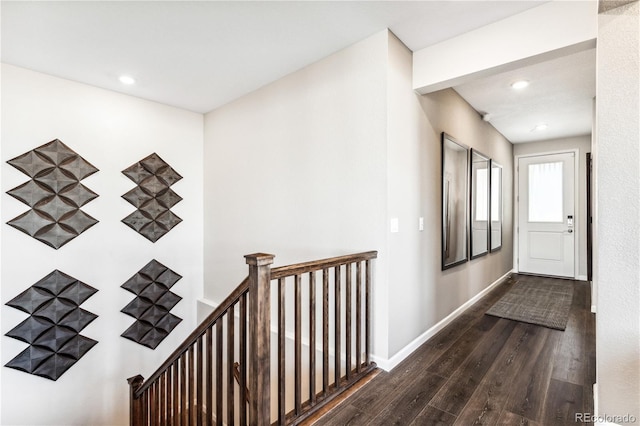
{"points": [[582, 278], [204, 307], [593, 309], [209, 302], [576, 207], [391, 363], [596, 411]]}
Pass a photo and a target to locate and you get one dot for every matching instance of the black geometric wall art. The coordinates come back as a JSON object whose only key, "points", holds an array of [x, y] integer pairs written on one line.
{"points": [[153, 197], [152, 304], [53, 327], [54, 194]]}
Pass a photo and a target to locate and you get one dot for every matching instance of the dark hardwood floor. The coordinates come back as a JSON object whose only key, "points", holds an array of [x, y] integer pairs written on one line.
{"points": [[483, 370]]}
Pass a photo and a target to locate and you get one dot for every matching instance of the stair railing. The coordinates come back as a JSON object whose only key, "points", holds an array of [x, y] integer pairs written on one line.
{"points": [[222, 373]]}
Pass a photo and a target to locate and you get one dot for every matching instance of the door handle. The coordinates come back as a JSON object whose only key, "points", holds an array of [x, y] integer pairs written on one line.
{"points": [[570, 231]]}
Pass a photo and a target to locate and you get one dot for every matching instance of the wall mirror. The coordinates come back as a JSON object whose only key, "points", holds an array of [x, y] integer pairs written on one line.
{"points": [[495, 226], [479, 220], [455, 172]]}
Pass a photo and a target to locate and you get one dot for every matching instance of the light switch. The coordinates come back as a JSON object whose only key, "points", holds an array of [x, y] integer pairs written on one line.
{"points": [[421, 224], [395, 224]]}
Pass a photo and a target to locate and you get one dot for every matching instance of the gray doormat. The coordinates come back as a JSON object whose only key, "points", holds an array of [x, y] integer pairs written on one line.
{"points": [[537, 301]]}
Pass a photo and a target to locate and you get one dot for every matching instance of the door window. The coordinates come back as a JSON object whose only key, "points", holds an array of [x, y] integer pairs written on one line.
{"points": [[545, 192]]}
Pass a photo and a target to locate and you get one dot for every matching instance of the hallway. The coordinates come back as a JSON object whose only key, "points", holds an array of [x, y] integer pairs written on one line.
{"points": [[484, 370]]}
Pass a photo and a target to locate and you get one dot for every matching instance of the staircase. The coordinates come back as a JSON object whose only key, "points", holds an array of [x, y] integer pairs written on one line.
{"points": [[235, 368]]}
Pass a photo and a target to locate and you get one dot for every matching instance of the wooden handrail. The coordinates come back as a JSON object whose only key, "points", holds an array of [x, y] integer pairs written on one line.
{"points": [[336, 281], [195, 385], [209, 321], [316, 265]]}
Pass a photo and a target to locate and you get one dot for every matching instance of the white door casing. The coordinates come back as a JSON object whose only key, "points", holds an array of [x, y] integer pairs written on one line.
{"points": [[547, 222]]}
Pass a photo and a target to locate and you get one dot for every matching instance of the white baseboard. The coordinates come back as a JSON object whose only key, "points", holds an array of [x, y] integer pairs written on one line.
{"points": [[391, 363], [600, 419], [593, 309]]}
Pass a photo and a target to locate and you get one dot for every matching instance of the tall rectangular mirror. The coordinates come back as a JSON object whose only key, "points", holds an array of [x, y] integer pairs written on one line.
{"points": [[479, 236], [496, 207], [455, 179]]}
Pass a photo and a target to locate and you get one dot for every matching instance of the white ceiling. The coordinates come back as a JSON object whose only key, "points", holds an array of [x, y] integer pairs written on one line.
{"points": [[199, 55], [560, 94]]}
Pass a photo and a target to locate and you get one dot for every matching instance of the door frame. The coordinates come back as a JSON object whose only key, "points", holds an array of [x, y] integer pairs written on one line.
{"points": [[577, 219]]}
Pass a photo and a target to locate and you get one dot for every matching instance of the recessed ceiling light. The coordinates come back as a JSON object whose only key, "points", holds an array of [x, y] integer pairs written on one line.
{"points": [[540, 127], [520, 84], [126, 79]]}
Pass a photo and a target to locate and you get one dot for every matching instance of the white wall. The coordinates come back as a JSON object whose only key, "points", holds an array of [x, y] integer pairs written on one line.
{"points": [[318, 163], [583, 145], [112, 131], [617, 254], [297, 169]]}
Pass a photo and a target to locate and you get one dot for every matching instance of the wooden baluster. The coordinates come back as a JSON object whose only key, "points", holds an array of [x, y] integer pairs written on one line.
{"points": [[170, 406], [184, 397], [219, 372], [230, 356], [243, 360], [176, 392], [358, 317], [145, 410], [325, 331], [199, 372], [281, 351], [153, 412], [298, 345], [260, 339], [163, 399], [338, 334], [367, 321], [209, 374], [312, 337], [135, 404], [347, 313], [191, 411]]}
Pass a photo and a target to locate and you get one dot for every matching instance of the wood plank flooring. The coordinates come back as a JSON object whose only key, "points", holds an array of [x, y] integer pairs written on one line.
{"points": [[483, 370]]}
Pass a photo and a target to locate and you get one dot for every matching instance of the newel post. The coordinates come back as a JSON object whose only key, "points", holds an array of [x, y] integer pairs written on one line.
{"points": [[259, 338], [136, 416]]}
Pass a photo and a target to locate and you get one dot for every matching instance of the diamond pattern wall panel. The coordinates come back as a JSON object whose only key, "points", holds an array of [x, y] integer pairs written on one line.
{"points": [[153, 197], [152, 304], [54, 194], [53, 327]]}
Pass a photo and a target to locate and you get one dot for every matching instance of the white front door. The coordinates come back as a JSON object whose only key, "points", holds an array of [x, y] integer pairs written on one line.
{"points": [[546, 217]]}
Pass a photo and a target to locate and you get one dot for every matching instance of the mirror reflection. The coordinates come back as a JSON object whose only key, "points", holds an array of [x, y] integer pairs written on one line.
{"points": [[479, 204], [455, 169], [496, 207]]}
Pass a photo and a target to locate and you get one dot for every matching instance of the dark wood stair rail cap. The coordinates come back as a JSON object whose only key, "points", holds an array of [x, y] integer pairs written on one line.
{"points": [[259, 259]]}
